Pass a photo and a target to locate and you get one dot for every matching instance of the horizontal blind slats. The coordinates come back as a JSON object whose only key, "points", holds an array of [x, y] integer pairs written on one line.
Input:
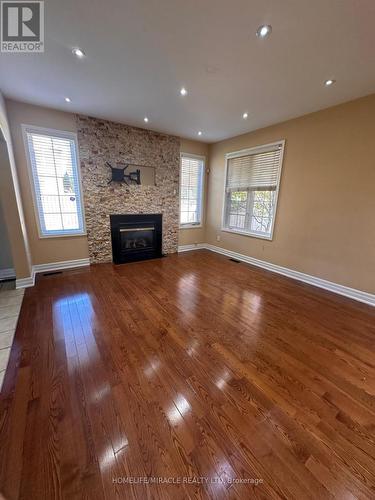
{"points": [[254, 171], [191, 190], [56, 183]]}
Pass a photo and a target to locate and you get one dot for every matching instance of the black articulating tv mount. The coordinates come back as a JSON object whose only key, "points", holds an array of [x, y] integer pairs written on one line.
{"points": [[119, 175]]}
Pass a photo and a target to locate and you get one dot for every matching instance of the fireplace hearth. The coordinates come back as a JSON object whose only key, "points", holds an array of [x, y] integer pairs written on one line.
{"points": [[136, 237]]}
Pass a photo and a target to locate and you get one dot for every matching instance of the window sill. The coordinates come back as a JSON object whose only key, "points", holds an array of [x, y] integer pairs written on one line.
{"points": [[245, 233], [191, 226], [72, 235]]}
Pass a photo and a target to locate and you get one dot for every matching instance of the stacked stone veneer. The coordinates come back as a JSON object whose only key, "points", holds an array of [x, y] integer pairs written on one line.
{"points": [[100, 141]]}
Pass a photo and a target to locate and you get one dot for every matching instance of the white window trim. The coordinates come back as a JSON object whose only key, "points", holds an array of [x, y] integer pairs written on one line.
{"points": [[189, 225], [65, 135], [256, 149]]}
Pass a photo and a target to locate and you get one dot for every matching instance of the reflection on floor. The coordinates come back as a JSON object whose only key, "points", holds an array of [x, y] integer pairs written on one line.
{"points": [[10, 305]]}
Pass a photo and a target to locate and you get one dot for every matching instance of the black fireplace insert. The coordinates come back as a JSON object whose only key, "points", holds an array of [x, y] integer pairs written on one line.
{"points": [[136, 237]]}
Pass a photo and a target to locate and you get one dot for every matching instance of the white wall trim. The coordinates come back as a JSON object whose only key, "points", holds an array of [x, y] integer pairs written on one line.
{"points": [[188, 248], [6, 274], [26, 282], [51, 266], [57, 266], [346, 291]]}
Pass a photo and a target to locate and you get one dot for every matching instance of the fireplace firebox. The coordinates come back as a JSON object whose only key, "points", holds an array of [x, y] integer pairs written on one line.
{"points": [[136, 237]]}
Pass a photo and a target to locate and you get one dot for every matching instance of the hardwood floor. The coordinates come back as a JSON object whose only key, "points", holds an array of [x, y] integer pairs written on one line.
{"points": [[192, 369]]}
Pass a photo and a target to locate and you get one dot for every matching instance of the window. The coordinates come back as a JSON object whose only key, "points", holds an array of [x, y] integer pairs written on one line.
{"points": [[191, 190], [52, 159], [251, 190]]}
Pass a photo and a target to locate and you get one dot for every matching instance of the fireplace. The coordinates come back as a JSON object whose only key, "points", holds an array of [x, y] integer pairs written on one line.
{"points": [[136, 237]]}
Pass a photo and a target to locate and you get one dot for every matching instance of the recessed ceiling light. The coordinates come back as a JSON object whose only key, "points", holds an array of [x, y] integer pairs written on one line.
{"points": [[67, 99], [199, 132], [264, 31], [145, 119], [329, 82], [183, 91], [78, 52], [245, 116]]}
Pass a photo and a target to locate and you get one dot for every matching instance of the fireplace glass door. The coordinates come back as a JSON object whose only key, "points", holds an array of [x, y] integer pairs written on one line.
{"points": [[138, 238]]}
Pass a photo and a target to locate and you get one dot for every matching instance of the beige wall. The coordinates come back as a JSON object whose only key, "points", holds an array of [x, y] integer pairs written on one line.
{"points": [[46, 250], [195, 235], [6, 260], [326, 204], [43, 250], [12, 201], [325, 219]]}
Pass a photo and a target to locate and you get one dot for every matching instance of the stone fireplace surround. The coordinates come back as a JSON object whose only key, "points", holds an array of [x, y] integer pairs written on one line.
{"points": [[102, 141]]}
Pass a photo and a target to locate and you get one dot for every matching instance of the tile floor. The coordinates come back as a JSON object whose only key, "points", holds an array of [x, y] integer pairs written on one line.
{"points": [[10, 306]]}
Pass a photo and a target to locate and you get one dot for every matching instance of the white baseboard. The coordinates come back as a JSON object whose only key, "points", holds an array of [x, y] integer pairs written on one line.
{"points": [[26, 282], [351, 293], [6, 274], [188, 248], [51, 266], [58, 266]]}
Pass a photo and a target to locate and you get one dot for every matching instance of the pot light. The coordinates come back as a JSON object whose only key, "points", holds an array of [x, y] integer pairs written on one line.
{"points": [[78, 52], [245, 116], [145, 119], [329, 82], [183, 91], [264, 30], [199, 132], [68, 99]]}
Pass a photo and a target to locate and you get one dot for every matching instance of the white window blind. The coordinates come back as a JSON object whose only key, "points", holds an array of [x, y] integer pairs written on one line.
{"points": [[256, 172], [191, 190], [53, 163], [252, 184]]}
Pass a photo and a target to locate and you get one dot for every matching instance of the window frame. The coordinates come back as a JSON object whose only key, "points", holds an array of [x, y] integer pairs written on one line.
{"points": [[59, 134], [243, 152], [190, 225]]}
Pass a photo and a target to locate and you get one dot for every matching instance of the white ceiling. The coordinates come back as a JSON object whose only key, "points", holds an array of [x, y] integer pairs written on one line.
{"points": [[139, 53]]}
